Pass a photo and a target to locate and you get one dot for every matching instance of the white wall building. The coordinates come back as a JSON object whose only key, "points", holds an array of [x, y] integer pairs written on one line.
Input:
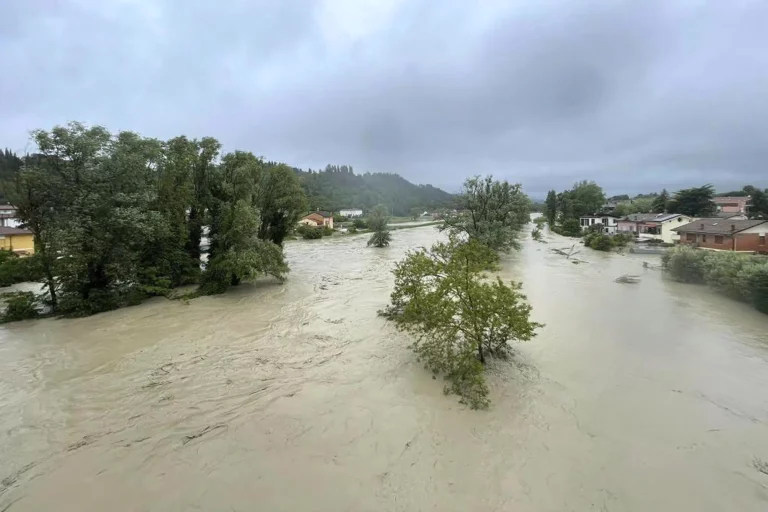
{"points": [[351, 212], [8, 217], [608, 221]]}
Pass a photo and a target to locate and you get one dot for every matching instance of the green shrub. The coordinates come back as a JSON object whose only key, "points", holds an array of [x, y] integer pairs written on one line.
{"points": [[325, 231], [360, 224], [19, 306], [15, 269], [569, 227], [309, 232], [740, 276]]}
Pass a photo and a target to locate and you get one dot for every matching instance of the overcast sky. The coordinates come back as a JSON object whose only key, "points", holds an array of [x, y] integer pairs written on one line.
{"points": [[636, 95]]}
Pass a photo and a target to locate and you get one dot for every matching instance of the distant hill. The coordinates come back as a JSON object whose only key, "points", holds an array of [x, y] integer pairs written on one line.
{"points": [[338, 187]]}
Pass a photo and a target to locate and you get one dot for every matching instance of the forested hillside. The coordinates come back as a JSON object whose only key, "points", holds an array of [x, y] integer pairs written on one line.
{"points": [[339, 187]]}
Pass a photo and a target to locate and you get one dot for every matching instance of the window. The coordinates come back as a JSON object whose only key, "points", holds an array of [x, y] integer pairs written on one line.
{"points": [[703, 238], [593, 222], [690, 237], [719, 239], [761, 240]]}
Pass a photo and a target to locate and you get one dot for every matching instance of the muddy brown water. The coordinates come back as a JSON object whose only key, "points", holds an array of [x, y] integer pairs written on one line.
{"points": [[652, 396]]}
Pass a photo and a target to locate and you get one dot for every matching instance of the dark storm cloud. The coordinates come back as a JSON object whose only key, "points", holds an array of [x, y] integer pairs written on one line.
{"points": [[635, 95]]}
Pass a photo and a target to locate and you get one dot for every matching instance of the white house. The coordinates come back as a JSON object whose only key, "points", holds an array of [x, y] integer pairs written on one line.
{"points": [[654, 225], [351, 212], [8, 217], [607, 220]]}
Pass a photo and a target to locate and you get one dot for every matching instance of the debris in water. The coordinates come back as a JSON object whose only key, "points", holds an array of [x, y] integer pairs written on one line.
{"points": [[760, 465], [207, 429], [626, 278]]}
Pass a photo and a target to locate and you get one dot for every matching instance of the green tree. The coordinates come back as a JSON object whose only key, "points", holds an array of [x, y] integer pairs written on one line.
{"points": [[695, 202], [550, 209], [493, 213], [659, 204], [415, 212], [281, 201], [377, 222], [758, 204], [207, 152], [236, 252], [459, 316]]}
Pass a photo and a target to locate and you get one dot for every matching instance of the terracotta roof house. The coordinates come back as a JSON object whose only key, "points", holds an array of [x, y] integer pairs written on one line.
{"points": [[318, 218], [725, 234]]}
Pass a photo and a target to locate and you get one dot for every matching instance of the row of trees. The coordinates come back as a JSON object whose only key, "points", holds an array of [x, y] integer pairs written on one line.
{"points": [[445, 298], [119, 217]]}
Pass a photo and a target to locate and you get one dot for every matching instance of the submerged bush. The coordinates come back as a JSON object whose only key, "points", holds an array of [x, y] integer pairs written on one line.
{"points": [[740, 276], [602, 242], [19, 306]]}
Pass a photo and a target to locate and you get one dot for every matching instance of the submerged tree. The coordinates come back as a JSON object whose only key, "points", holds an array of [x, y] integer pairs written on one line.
{"points": [[493, 213], [459, 317], [377, 222], [237, 253], [550, 209]]}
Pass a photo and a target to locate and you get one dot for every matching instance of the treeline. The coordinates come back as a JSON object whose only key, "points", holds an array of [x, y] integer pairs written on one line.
{"points": [[740, 276], [120, 217], [443, 296], [338, 187]]}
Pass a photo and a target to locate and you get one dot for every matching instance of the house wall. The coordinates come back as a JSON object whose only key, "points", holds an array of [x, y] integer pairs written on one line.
{"points": [[24, 243], [749, 240], [308, 222], [351, 213], [669, 236], [626, 225], [731, 204], [10, 222]]}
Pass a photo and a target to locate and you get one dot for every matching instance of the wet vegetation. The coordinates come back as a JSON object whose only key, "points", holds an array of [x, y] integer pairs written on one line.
{"points": [[445, 297], [119, 217], [377, 222], [740, 276]]}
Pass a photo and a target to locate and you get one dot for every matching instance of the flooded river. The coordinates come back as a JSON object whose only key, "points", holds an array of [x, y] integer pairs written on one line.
{"points": [[634, 397]]}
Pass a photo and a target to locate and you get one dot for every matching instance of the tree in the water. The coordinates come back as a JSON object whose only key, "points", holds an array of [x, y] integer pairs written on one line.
{"points": [[459, 316], [378, 222], [493, 213], [236, 251], [550, 207]]}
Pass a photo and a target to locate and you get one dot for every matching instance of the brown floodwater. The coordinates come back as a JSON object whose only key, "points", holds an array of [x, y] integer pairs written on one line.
{"points": [[634, 397]]}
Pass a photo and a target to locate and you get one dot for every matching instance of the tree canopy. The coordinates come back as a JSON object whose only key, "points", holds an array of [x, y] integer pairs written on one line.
{"points": [[119, 217], [696, 202], [377, 222], [459, 316], [492, 212]]}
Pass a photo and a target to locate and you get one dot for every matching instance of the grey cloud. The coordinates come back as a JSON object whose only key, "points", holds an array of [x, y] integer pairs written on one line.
{"points": [[635, 95]]}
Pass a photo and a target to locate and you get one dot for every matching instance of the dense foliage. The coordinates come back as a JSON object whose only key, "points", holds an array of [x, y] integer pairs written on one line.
{"points": [[492, 212], [584, 198], [338, 187], [15, 269], [599, 241], [10, 164], [377, 222], [18, 306], [458, 316], [569, 227], [696, 202], [740, 276], [119, 217]]}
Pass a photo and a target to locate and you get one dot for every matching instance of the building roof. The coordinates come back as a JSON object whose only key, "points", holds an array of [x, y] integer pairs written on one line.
{"points": [[14, 231], [650, 217], [723, 199], [320, 213], [726, 215], [599, 215], [718, 226]]}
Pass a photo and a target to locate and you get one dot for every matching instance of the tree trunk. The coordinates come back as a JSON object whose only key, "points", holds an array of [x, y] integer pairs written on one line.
{"points": [[480, 353]]}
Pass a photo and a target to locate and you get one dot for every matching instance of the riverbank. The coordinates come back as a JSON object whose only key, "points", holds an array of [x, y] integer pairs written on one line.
{"points": [[633, 397]]}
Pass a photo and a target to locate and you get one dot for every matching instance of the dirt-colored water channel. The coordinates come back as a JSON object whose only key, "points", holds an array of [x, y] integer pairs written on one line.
{"points": [[652, 396]]}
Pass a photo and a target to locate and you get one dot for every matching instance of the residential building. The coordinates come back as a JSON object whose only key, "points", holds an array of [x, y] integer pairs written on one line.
{"points": [[318, 219], [607, 220], [351, 212], [653, 225], [732, 204], [8, 216], [20, 241], [725, 234]]}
